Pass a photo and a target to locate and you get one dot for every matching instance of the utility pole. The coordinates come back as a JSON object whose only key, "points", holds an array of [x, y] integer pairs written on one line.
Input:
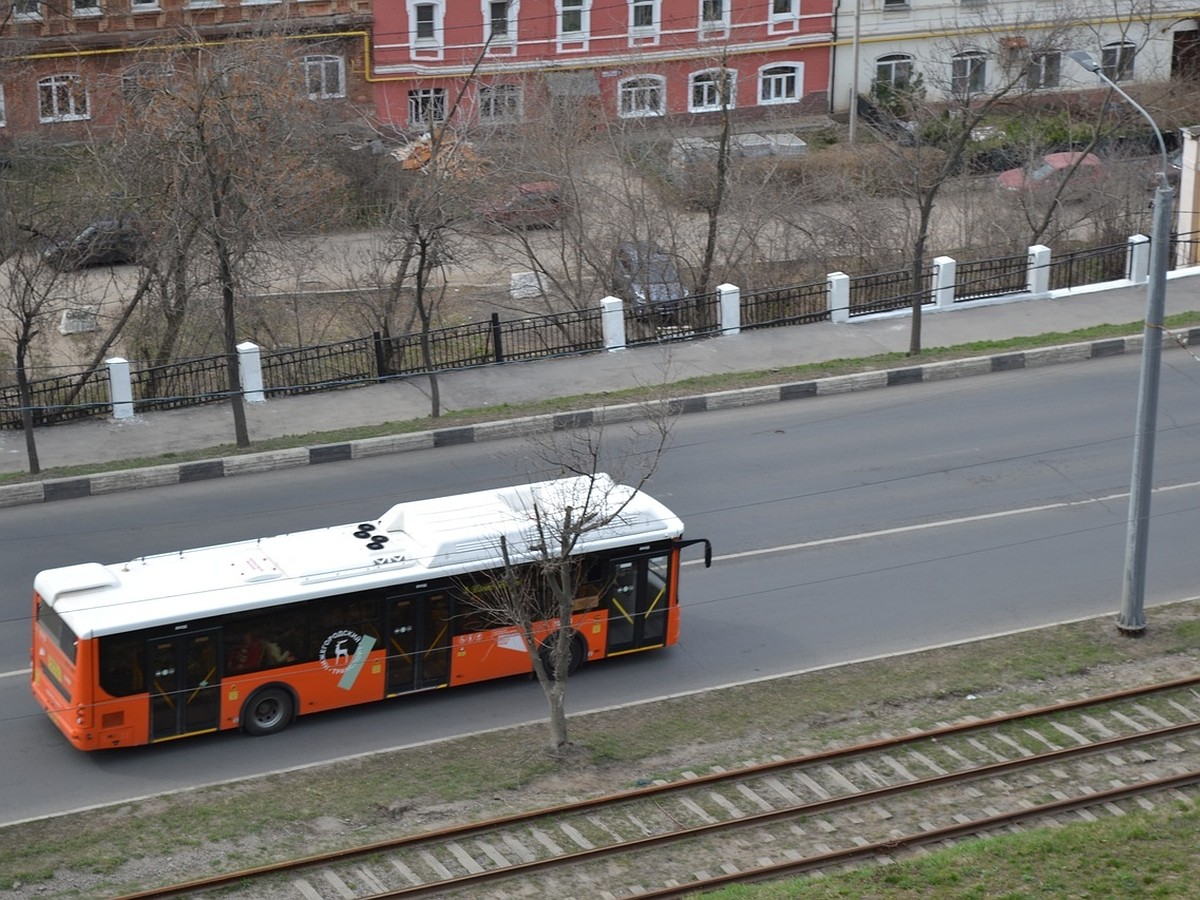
{"points": [[1132, 618]]}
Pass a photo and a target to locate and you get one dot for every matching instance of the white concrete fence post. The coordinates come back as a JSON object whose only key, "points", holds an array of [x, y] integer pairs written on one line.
{"points": [[120, 388], [250, 369], [1037, 277], [1137, 259], [731, 308], [945, 277], [612, 318], [838, 297]]}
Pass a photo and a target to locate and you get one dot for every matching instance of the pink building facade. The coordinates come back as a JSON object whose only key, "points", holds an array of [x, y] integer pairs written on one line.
{"points": [[497, 62]]}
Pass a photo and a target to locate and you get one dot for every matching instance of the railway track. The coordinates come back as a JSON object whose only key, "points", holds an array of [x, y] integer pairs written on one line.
{"points": [[1087, 758]]}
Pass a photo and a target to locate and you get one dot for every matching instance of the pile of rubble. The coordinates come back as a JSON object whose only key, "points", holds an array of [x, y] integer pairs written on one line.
{"points": [[455, 158]]}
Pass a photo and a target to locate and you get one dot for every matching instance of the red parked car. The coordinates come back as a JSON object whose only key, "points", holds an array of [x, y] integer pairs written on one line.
{"points": [[537, 204], [1051, 171]]}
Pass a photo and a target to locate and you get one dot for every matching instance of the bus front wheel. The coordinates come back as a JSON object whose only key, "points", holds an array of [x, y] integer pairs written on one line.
{"points": [[267, 712]]}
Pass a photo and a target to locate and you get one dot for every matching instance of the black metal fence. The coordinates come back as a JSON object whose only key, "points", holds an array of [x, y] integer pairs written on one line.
{"points": [[188, 382], [698, 316], [991, 277], [793, 305], [1181, 240], [1089, 266], [309, 369], [364, 360], [58, 399], [577, 331], [887, 291]]}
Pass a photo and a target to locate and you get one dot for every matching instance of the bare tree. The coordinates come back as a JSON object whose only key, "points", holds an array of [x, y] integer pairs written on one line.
{"points": [[540, 586], [221, 143], [32, 293], [982, 73]]}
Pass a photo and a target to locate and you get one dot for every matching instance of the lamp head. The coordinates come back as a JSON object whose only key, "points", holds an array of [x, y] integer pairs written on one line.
{"points": [[1084, 59]]}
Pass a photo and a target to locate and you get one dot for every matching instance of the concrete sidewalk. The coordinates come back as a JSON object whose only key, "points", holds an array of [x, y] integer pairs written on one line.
{"points": [[156, 433]]}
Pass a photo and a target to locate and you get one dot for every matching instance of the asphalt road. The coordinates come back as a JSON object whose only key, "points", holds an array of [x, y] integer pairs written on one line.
{"points": [[845, 527]]}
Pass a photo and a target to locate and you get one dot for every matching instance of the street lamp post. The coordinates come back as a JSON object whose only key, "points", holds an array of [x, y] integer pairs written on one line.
{"points": [[857, 43], [1132, 618]]}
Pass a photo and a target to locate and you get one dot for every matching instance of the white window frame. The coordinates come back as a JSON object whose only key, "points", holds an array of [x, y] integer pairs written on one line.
{"points": [[86, 8], [634, 93], [501, 104], [643, 9], [577, 38], [713, 16], [428, 99], [27, 10], [509, 37], [436, 23], [51, 88], [893, 62], [322, 64], [708, 80], [140, 6], [3, 109], [777, 75], [968, 73], [1117, 59], [783, 15]]}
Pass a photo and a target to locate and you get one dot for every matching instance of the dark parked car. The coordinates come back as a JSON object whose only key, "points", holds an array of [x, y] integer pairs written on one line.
{"points": [[537, 204], [105, 242], [646, 278]]}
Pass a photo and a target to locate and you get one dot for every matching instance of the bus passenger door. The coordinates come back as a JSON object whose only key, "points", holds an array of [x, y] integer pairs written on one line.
{"points": [[636, 599], [418, 642], [184, 688]]}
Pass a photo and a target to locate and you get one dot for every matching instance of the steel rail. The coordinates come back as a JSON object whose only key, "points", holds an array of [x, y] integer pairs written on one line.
{"points": [[917, 839], [783, 813], [476, 828]]}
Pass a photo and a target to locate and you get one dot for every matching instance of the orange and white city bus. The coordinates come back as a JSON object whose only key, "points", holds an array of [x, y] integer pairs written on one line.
{"points": [[253, 633]]}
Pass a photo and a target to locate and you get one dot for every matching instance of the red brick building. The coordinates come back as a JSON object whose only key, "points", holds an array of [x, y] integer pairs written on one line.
{"points": [[67, 67], [626, 59]]}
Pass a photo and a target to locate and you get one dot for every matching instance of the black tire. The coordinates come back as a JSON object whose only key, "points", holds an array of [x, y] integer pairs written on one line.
{"points": [[268, 712], [578, 653]]}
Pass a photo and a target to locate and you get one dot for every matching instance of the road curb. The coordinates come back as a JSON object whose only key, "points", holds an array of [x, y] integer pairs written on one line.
{"points": [[273, 460]]}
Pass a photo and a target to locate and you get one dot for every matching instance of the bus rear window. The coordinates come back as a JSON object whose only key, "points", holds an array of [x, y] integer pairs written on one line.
{"points": [[56, 630]]}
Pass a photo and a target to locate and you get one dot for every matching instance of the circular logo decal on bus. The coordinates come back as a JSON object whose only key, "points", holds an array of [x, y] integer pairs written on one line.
{"points": [[338, 650]]}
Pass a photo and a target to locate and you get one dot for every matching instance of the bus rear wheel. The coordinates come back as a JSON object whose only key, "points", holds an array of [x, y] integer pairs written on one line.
{"points": [[268, 712], [574, 661]]}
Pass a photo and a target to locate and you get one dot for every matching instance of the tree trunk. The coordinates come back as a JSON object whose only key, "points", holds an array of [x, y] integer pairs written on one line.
{"points": [[556, 700], [236, 400], [424, 264], [918, 271], [717, 199], [26, 395]]}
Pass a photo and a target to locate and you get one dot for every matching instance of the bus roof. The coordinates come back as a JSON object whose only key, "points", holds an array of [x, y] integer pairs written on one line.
{"points": [[410, 542]]}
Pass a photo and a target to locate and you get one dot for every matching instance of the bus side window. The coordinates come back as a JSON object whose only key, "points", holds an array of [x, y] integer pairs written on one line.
{"points": [[121, 672], [587, 597], [260, 643]]}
